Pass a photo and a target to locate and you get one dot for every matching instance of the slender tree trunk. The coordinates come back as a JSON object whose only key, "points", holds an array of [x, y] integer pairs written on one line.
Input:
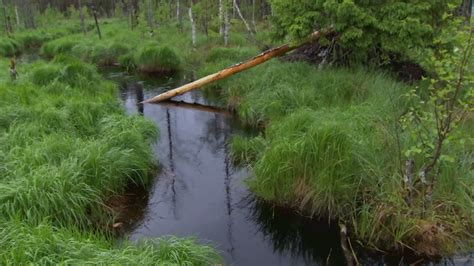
{"points": [[465, 9], [17, 16], [236, 7], [226, 25], [81, 15], [130, 13], [113, 8], [31, 17], [253, 16], [94, 12], [150, 15], [193, 26], [257, 60], [5, 17], [178, 15], [221, 18], [233, 11]]}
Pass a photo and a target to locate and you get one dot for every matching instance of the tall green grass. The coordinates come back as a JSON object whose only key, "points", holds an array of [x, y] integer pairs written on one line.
{"points": [[66, 146], [331, 147], [157, 59], [44, 244]]}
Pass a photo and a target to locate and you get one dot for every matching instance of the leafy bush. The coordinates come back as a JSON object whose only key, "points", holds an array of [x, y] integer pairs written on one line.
{"points": [[367, 30]]}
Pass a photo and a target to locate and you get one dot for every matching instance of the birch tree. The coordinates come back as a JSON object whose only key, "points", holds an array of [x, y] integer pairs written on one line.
{"points": [[149, 13], [221, 18], [193, 25], [226, 24], [237, 9]]}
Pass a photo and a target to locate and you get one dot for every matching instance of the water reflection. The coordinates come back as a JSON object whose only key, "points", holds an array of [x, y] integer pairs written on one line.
{"points": [[199, 192], [312, 240]]}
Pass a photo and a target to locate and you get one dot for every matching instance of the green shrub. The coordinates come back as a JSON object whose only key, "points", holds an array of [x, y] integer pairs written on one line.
{"points": [[402, 28]]}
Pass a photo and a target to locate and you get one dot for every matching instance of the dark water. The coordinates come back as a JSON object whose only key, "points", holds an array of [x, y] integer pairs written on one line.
{"points": [[199, 192]]}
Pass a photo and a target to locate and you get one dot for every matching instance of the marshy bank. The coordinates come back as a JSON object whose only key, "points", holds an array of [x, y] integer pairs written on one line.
{"points": [[66, 148], [332, 145], [201, 191]]}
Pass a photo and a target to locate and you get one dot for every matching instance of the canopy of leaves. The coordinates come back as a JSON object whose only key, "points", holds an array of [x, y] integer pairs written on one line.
{"points": [[367, 29]]}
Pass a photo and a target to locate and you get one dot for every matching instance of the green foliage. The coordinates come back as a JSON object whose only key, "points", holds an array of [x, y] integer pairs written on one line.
{"points": [[43, 244], [236, 54], [157, 59], [56, 47], [332, 146], [68, 146], [438, 141], [368, 30], [64, 69], [8, 47]]}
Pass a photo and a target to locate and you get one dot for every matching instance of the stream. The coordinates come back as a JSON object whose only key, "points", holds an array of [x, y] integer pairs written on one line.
{"points": [[198, 191]]}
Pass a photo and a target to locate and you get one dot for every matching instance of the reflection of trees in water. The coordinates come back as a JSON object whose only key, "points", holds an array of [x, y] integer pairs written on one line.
{"points": [[299, 236], [228, 193], [139, 97]]}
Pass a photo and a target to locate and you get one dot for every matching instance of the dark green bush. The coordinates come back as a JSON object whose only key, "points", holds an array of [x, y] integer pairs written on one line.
{"points": [[366, 30]]}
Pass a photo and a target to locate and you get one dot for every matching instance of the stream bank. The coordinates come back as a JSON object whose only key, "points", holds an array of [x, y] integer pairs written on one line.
{"points": [[199, 191]]}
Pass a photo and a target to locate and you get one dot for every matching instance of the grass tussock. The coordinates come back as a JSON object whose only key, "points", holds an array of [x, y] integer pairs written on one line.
{"points": [[152, 59], [9, 47], [45, 244], [331, 147], [66, 146]]}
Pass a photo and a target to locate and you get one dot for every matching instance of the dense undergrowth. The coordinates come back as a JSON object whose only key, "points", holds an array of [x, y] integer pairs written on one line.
{"points": [[66, 146], [331, 146]]}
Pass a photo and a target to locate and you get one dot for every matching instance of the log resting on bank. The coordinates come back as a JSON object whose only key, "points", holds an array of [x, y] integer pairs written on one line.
{"points": [[257, 60]]}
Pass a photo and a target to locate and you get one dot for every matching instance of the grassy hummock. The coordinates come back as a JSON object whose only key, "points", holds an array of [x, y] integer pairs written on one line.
{"points": [[66, 146], [331, 146], [152, 59]]}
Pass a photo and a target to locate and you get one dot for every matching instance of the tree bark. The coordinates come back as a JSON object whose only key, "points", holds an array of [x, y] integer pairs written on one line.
{"points": [[150, 15], [17, 16], [242, 18], [221, 18], [259, 59], [5, 17], [193, 26], [226, 24], [178, 15], [465, 9], [94, 12], [130, 13]]}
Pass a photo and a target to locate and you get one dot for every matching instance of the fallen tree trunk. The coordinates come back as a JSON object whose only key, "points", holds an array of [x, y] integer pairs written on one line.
{"points": [[259, 59]]}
